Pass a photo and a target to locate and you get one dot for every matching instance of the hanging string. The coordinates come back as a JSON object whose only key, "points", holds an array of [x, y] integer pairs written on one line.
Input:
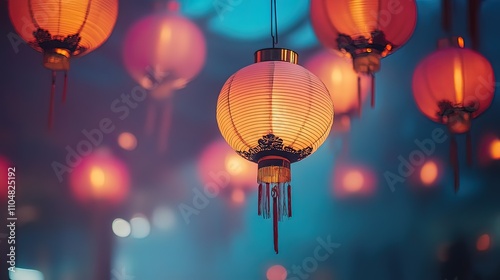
{"points": [[289, 201], [454, 162], [65, 87], [51, 104], [468, 145], [274, 23], [275, 218]]}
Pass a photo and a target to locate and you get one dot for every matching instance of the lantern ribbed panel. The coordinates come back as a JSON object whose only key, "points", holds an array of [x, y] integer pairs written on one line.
{"points": [[65, 17], [461, 76], [336, 72], [356, 18], [275, 97]]}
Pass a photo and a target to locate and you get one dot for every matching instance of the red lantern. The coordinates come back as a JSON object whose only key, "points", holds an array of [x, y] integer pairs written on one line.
{"points": [[163, 52], [62, 29], [452, 86], [367, 30], [335, 70]]}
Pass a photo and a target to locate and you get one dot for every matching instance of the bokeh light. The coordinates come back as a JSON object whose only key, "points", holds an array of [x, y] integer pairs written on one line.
{"points": [[100, 176], [127, 141], [483, 242], [495, 149], [121, 228], [276, 272], [353, 180], [429, 173], [140, 226], [4, 165], [164, 218], [238, 196], [25, 274]]}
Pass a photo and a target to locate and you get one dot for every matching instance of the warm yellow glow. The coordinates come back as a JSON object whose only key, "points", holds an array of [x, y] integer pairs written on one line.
{"points": [[62, 18], [461, 42], [235, 164], [127, 141], [97, 177], [238, 196], [353, 181], [495, 149], [458, 79], [336, 75], [274, 97], [364, 16], [429, 173]]}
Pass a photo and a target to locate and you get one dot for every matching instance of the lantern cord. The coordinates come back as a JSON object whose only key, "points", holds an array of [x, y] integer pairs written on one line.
{"points": [[454, 162], [259, 206], [474, 7], [275, 217], [373, 90], [359, 96], [446, 9], [289, 201], [274, 23], [51, 104], [85, 18], [468, 145], [65, 87]]}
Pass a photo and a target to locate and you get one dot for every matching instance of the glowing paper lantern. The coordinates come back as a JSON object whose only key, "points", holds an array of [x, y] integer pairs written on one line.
{"points": [[100, 177], [274, 113], [163, 52], [452, 86], [335, 71], [366, 30], [62, 29]]}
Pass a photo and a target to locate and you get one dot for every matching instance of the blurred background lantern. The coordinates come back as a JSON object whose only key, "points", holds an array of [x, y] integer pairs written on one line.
{"points": [[452, 86], [274, 113], [163, 52], [62, 29], [353, 180], [366, 30], [336, 72]]}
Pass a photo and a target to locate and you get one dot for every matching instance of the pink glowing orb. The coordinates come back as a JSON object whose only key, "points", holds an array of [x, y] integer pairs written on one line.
{"points": [[429, 173], [4, 176], [100, 177], [353, 180], [219, 164], [163, 52], [276, 272]]}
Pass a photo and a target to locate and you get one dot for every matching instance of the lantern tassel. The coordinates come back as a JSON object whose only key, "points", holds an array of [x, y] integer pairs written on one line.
{"points": [[268, 208], [275, 217], [454, 162], [65, 87], [373, 91], [359, 96], [468, 145], [259, 207], [289, 201], [51, 104]]}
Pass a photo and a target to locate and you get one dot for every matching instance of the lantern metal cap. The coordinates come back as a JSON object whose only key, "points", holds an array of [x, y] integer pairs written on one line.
{"points": [[451, 42], [57, 59], [276, 54]]}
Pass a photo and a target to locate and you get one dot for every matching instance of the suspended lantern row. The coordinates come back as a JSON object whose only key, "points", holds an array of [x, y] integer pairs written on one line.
{"points": [[61, 29], [163, 52], [452, 86], [335, 70], [274, 113], [365, 30]]}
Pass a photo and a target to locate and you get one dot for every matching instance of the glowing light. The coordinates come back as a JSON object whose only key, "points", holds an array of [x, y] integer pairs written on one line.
{"points": [[4, 165], [458, 79], [140, 227], [483, 242], [25, 274], [276, 272], [429, 173], [353, 181], [495, 149], [164, 218], [97, 177], [235, 164], [127, 141], [121, 228], [238, 196]]}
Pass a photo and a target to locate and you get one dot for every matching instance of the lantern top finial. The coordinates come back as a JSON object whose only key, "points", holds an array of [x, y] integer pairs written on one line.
{"points": [[276, 54]]}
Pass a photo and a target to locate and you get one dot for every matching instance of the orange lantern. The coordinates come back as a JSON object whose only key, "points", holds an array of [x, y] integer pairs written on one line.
{"points": [[367, 30], [274, 113], [62, 29], [163, 52], [335, 70], [452, 86]]}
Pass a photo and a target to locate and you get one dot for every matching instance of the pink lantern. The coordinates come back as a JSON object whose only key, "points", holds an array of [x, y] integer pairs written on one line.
{"points": [[336, 72], [163, 52], [100, 177]]}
